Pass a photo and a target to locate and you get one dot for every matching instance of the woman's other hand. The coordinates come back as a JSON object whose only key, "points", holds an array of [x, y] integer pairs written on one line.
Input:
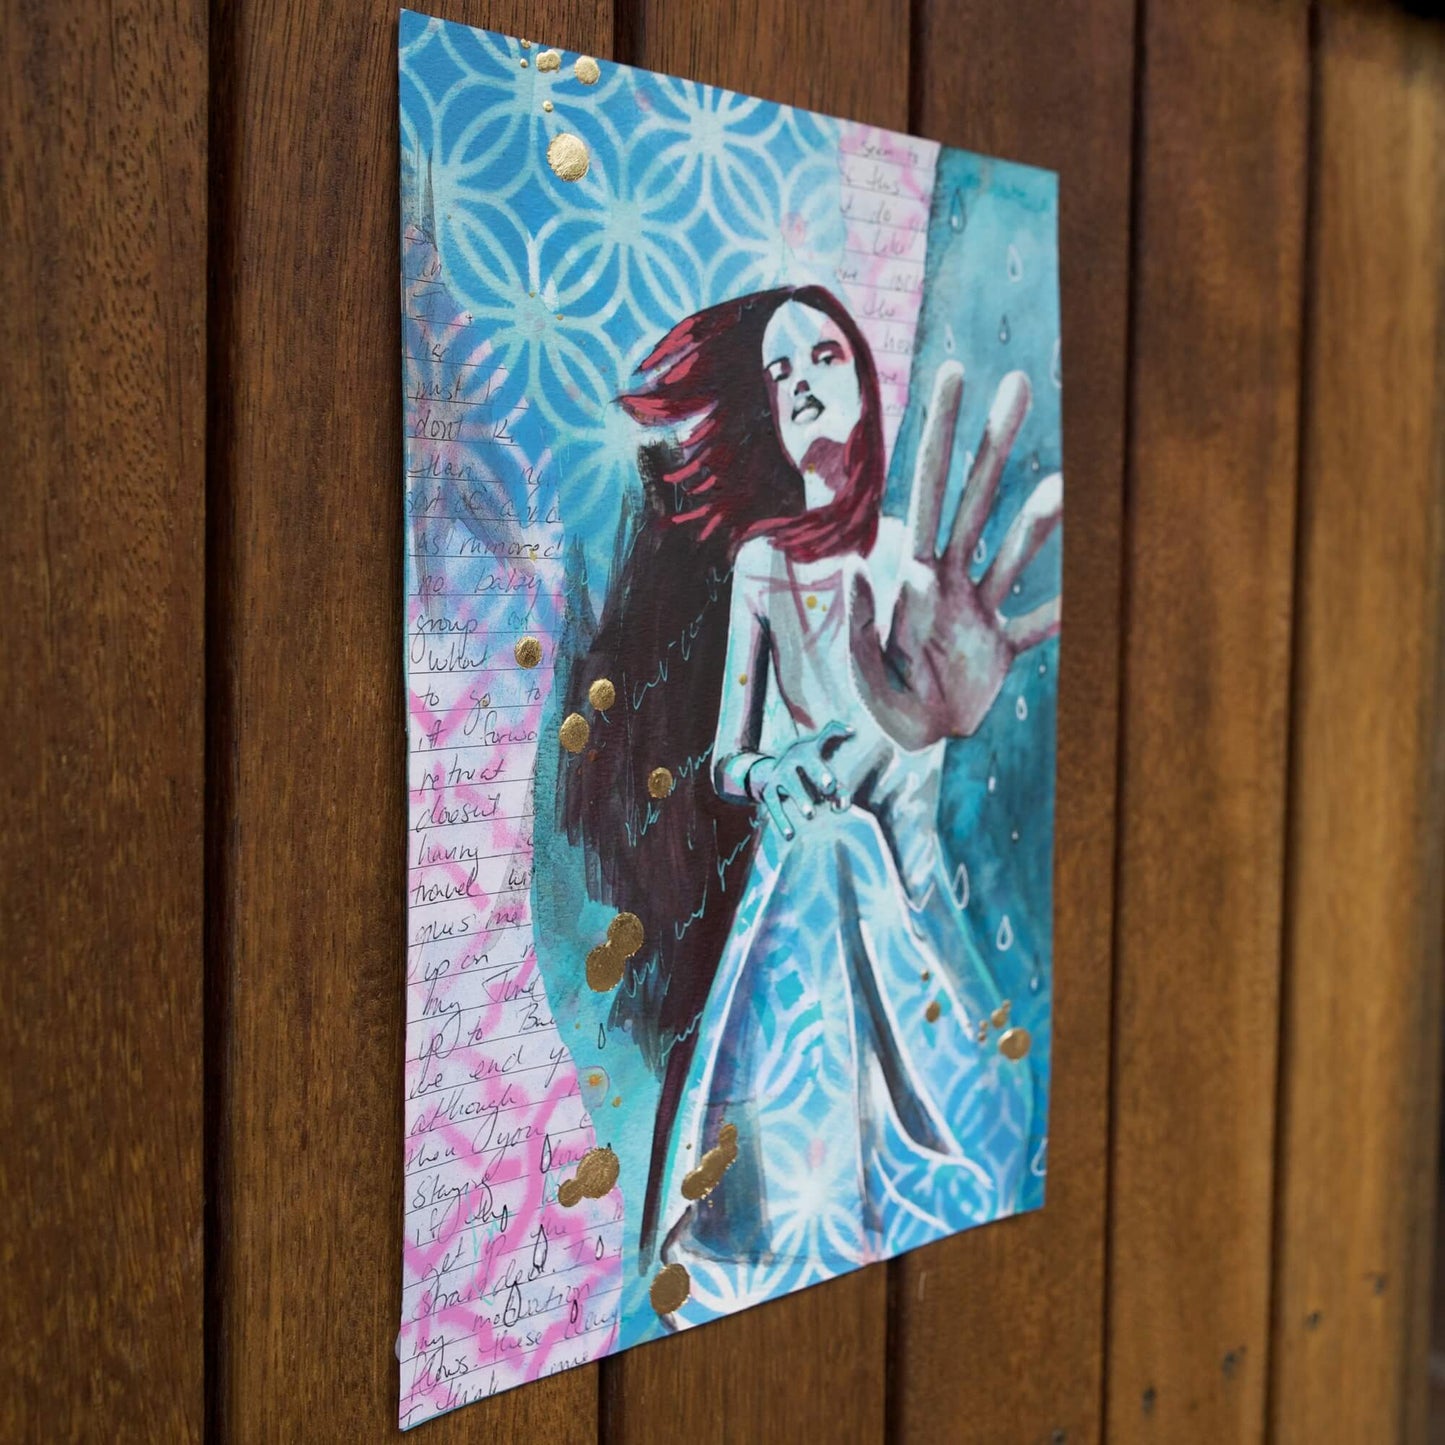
{"points": [[800, 779], [949, 649]]}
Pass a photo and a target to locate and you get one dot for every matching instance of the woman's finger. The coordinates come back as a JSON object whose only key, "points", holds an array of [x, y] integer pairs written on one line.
{"points": [[773, 801], [1034, 627], [1010, 406], [935, 450], [1036, 520], [802, 802]]}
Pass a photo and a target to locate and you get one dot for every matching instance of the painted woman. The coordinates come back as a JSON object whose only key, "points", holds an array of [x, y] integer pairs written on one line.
{"points": [[832, 1089]]}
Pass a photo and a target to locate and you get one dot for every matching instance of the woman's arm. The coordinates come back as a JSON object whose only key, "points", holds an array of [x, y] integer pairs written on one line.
{"points": [[745, 682], [799, 777]]}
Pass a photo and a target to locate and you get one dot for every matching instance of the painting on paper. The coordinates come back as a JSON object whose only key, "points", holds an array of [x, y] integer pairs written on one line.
{"points": [[733, 488]]}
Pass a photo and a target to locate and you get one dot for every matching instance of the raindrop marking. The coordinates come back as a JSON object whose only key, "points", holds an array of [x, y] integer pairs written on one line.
{"points": [[1015, 264], [1004, 939], [1003, 332], [1021, 708]]}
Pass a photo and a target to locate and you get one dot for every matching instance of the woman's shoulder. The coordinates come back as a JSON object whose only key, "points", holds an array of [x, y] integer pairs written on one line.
{"points": [[757, 559]]}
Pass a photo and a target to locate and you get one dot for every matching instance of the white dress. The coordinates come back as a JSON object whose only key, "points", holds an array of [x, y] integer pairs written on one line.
{"points": [[840, 1038]]}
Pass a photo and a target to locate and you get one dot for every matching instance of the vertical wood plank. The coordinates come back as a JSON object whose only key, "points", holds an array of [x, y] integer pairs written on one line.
{"points": [[1360, 1064], [102, 270], [1022, 1301], [308, 744], [1209, 556], [811, 1365]]}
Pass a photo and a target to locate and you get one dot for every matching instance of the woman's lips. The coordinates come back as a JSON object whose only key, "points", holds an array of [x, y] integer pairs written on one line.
{"points": [[810, 406]]}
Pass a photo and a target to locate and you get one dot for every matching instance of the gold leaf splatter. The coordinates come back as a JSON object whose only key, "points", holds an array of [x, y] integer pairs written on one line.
{"points": [[526, 44], [1015, 1044], [602, 694], [932, 1012], [523, 62], [982, 1034], [616, 1101], [587, 70], [743, 679], [659, 782], [528, 652], [811, 600], [625, 934], [567, 156], [670, 1289], [547, 106], [604, 968], [999, 1017], [700, 1182], [549, 60], [574, 733], [926, 974], [596, 1175]]}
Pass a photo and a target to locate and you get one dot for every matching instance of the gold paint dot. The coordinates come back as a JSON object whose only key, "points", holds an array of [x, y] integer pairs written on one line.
{"points": [[625, 934], [1015, 1044], [567, 156], [700, 1182], [602, 694], [604, 968], [811, 600], [743, 679], [524, 62], [999, 1017], [932, 1012], [547, 106], [526, 45], [587, 70], [574, 733], [617, 1101], [569, 1193], [596, 1174], [549, 60], [659, 782], [594, 1078], [670, 1289], [982, 1031], [926, 974], [528, 652]]}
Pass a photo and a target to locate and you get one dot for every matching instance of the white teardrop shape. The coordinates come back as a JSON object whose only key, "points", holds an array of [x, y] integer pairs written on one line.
{"points": [[1004, 939], [1015, 264], [1021, 708], [960, 886]]}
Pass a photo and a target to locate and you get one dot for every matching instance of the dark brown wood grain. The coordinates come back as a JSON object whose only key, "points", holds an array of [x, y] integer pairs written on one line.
{"points": [[1360, 1062], [810, 1366], [1218, 255], [1022, 1301], [102, 275], [308, 743]]}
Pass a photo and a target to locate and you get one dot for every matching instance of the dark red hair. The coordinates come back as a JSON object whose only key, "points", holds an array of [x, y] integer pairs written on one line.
{"points": [[731, 472]]}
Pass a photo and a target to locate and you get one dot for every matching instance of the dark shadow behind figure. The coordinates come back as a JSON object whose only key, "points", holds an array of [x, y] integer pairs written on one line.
{"points": [[680, 863]]}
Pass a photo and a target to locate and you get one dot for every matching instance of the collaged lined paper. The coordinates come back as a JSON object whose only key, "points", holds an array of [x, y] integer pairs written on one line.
{"points": [[501, 1283], [886, 192]]}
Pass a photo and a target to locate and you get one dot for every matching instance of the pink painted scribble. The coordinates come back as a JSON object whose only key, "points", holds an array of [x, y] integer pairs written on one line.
{"points": [[501, 1284]]}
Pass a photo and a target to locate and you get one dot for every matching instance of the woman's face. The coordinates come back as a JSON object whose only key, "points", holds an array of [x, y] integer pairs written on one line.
{"points": [[813, 387]]}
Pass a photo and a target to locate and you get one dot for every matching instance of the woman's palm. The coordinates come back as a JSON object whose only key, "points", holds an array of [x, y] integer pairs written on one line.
{"points": [[949, 648]]}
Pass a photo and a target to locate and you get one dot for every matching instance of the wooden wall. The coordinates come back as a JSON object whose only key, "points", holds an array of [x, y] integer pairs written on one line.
{"points": [[202, 872]]}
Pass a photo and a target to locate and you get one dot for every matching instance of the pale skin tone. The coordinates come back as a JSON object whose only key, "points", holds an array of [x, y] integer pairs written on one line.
{"points": [[949, 648]]}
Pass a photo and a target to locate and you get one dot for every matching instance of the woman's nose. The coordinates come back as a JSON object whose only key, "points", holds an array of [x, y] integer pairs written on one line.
{"points": [[801, 387]]}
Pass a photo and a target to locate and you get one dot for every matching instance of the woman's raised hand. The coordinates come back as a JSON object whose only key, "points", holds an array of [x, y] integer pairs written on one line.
{"points": [[800, 779], [948, 649]]}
